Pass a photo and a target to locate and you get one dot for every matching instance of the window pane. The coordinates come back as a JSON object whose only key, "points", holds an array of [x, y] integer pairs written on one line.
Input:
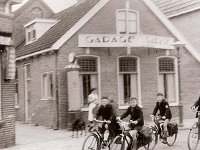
{"points": [[87, 64], [127, 87], [134, 90], [170, 86], [121, 15], [128, 64], [29, 90], [121, 26], [29, 36], [86, 88], [34, 34], [50, 86], [166, 64], [132, 26], [44, 86], [132, 15]]}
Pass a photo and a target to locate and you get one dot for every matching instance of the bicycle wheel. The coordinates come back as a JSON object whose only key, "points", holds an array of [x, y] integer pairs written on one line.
{"points": [[91, 143], [118, 143], [193, 138], [154, 136], [171, 139]]}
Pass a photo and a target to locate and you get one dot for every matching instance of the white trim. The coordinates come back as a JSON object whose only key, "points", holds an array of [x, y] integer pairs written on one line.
{"points": [[79, 24], [138, 82], [176, 78], [172, 29], [40, 20], [35, 53], [98, 74], [84, 109], [184, 12]]}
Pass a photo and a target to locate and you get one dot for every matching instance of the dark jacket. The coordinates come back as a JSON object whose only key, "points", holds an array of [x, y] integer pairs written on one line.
{"points": [[105, 112], [197, 104], [164, 109], [135, 113]]}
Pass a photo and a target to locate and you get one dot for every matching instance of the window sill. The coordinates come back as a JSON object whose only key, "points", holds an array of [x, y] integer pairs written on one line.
{"points": [[2, 123], [84, 109], [17, 107], [47, 99], [125, 107]]}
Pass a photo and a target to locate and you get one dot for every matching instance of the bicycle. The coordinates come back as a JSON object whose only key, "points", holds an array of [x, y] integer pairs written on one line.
{"points": [[123, 140], [95, 141], [194, 135], [158, 132]]}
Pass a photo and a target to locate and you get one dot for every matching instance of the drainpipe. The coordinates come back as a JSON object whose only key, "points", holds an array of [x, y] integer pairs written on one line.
{"points": [[56, 86], [178, 45]]}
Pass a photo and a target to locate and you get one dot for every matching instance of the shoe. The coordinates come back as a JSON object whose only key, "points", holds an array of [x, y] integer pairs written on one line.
{"points": [[164, 141]]}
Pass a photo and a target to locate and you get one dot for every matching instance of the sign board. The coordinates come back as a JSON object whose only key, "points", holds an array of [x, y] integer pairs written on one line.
{"points": [[5, 40], [116, 40]]}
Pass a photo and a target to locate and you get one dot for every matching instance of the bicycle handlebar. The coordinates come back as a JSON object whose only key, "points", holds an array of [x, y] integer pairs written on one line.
{"points": [[100, 121]]}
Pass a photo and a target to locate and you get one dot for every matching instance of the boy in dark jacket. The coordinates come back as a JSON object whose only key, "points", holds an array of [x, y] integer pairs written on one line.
{"points": [[136, 117], [197, 105], [165, 112], [105, 111]]}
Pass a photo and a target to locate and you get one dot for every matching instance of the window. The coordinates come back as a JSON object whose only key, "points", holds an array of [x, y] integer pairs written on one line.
{"points": [[48, 91], [88, 75], [1, 69], [128, 79], [127, 21], [167, 78], [31, 33]]}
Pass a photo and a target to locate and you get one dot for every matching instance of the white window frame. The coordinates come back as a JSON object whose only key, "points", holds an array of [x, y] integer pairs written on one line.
{"points": [[30, 29], [176, 78], [42, 90], [127, 20], [138, 83], [98, 76]]}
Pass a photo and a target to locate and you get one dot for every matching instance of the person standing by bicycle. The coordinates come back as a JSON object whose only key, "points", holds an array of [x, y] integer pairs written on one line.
{"points": [[106, 112], [165, 113], [197, 105], [136, 117]]}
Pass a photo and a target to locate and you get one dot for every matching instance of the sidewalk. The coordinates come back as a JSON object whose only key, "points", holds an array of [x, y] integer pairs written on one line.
{"points": [[29, 137]]}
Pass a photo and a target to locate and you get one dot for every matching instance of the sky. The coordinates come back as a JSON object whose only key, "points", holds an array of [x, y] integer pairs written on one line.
{"points": [[55, 5]]}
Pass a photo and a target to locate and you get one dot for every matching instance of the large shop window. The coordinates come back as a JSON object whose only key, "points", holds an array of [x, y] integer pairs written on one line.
{"points": [[128, 79], [47, 86], [127, 21], [167, 78], [88, 75]]}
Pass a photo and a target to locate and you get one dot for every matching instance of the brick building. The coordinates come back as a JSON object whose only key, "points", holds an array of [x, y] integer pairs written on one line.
{"points": [[30, 10], [183, 15], [124, 48], [7, 67]]}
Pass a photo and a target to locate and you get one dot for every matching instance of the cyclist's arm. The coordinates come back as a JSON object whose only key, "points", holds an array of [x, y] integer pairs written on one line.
{"points": [[155, 109], [126, 113], [140, 116]]}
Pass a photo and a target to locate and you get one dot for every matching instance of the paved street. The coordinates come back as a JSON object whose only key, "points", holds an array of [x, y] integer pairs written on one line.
{"points": [[39, 138]]}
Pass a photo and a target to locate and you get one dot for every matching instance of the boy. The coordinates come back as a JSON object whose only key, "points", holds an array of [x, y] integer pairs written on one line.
{"points": [[136, 115], [165, 113], [106, 112]]}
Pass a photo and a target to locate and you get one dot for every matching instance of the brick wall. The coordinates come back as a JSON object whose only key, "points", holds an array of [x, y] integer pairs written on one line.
{"points": [[7, 128], [41, 112], [6, 23]]}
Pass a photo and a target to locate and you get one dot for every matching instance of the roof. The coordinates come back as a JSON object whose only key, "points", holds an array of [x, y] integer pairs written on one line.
{"points": [[68, 18], [27, 4], [173, 8]]}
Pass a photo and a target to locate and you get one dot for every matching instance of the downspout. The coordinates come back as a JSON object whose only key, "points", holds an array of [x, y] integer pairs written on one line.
{"points": [[57, 97]]}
